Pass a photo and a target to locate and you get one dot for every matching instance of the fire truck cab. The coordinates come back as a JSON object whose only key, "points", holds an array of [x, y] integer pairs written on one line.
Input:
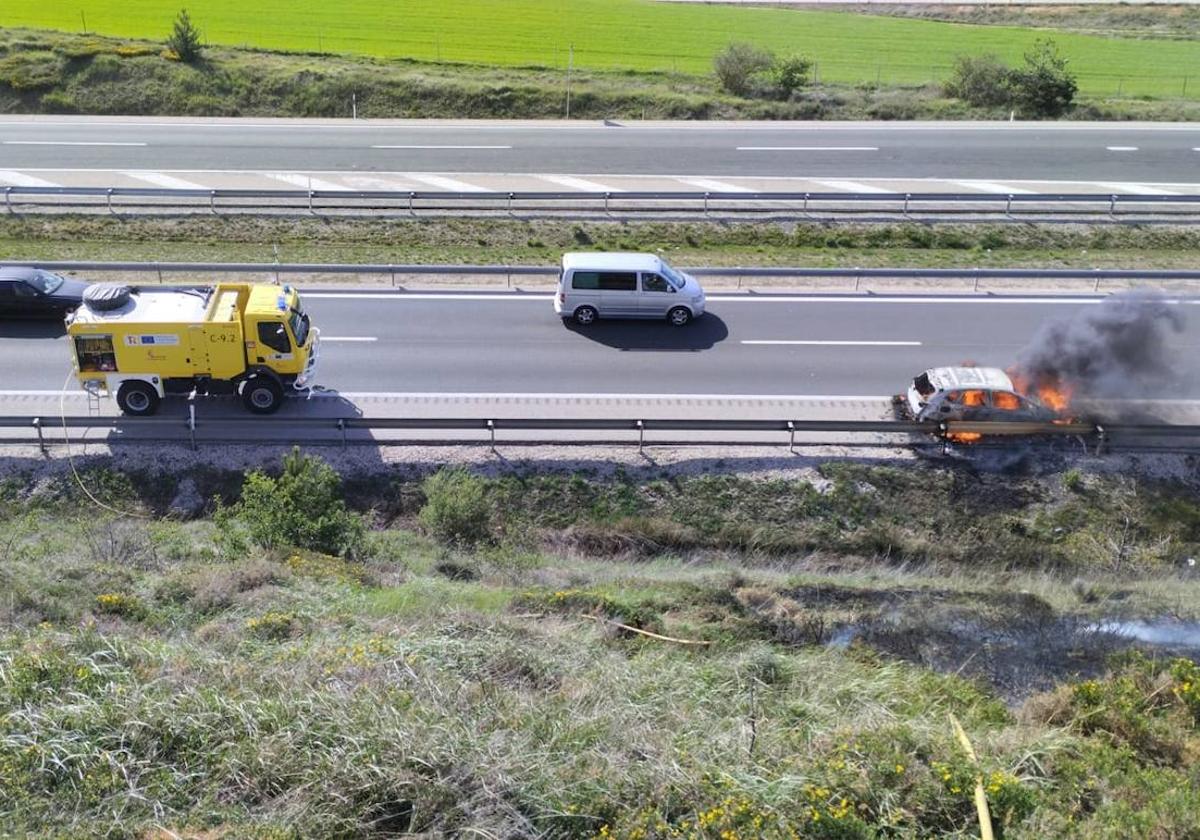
{"points": [[141, 344]]}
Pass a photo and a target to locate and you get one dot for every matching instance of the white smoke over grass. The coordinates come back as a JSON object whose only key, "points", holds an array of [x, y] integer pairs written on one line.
{"points": [[1116, 349]]}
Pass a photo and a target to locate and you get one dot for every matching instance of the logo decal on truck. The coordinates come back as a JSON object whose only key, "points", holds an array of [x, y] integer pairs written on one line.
{"points": [[158, 340]]}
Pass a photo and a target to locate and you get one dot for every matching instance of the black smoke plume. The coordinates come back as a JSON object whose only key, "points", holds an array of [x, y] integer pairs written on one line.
{"points": [[1115, 349]]}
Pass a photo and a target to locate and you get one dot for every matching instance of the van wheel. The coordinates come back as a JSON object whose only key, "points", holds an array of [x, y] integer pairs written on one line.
{"points": [[679, 316], [262, 395], [137, 399], [585, 315]]}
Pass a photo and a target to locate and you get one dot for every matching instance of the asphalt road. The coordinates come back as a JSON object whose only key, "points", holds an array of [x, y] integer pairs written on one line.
{"points": [[1133, 152], [866, 346]]}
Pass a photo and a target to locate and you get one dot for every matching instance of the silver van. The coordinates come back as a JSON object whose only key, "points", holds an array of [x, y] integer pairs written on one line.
{"points": [[615, 285]]}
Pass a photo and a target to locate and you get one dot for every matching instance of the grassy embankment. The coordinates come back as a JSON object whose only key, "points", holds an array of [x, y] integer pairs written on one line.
{"points": [[456, 669], [49, 72], [501, 242]]}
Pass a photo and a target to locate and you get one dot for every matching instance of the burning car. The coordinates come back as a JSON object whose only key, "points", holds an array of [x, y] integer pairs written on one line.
{"points": [[972, 394]]}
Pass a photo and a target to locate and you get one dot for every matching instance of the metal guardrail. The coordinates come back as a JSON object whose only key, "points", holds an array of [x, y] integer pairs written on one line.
{"points": [[183, 429], [216, 201], [1095, 275]]}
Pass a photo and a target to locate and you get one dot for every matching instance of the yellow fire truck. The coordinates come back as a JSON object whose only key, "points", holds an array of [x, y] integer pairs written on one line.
{"points": [[141, 344]]}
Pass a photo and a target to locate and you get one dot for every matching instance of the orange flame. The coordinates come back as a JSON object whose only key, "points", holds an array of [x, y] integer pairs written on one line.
{"points": [[964, 437], [1053, 393]]}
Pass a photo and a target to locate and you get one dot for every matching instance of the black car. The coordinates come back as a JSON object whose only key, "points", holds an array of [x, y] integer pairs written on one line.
{"points": [[34, 293]]}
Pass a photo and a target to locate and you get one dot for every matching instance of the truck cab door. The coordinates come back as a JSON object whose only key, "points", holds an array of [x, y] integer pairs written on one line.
{"points": [[274, 345]]}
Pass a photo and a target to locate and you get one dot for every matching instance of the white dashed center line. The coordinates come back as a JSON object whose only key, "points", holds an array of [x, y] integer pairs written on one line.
{"points": [[67, 143], [808, 148], [1122, 148], [348, 338], [441, 147], [838, 343]]}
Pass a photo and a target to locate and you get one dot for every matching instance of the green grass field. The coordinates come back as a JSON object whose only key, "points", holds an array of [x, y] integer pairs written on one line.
{"points": [[623, 34]]}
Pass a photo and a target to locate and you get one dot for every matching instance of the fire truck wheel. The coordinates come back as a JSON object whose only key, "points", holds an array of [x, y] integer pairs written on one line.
{"points": [[262, 395], [137, 399]]}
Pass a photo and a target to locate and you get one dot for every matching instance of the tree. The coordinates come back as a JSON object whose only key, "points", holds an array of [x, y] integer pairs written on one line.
{"points": [[738, 64], [185, 39], [1043, 87], [791, 74], [982, 80]]}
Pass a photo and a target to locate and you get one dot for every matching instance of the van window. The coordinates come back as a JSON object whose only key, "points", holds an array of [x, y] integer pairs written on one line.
{"points": [[654, 283], [618, 281], [585, 280]]}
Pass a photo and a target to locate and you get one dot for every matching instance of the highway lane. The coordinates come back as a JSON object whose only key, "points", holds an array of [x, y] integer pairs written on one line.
{"points": [[1133, 152], [501, 344]]}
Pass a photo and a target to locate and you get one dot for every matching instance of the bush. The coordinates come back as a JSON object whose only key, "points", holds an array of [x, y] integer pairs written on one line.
{"points": [[184, 40], [1043, 87], [982, 80], [738, 64], [791, 74], [301, 508], [455, 509]]}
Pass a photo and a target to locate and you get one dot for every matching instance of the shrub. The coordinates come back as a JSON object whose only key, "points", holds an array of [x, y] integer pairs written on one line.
{"points": [[738, 64], [184, 40], [273, 625], [455, 509], [981, 80], [34, 70], [791, 74], [1043, 87], [301, 508]]}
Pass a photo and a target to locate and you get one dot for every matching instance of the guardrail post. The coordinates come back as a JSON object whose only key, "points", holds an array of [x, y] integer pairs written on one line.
{"points": [[606, 197], [392, 272], [706, 204], [491, 425], [310, 203], [805, 209], [8, 200], [412, 211], [907, 196], [108, 197], [1008, 206], [158, 268], [791, 436], [212, 201], [976, 272], [857, 277], [1112, 205], [191, 423], [1101, 439], [37, 425], [341, 424], [510, 201], [1096, 285], [641, 435]]}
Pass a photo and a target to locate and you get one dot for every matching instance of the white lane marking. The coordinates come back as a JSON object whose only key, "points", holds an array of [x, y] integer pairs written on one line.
{"points": [[581, 184], [839, 343], [19, 179], [381, 146], [1136, 189], [452, 395], [759, 298], [993, 187], [349, 338], [442, 183], [851, 186], [808, 148], [68, 143], [306, 182], [1122, 148], [714, 186], [161, 180], [366, 182]]}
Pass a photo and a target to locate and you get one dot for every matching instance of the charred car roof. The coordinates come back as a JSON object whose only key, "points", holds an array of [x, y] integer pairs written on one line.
{"points": [[950, 378]]}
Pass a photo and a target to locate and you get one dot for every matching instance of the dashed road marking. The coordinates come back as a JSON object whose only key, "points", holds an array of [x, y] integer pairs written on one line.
{"points": [[1137, 189], [1122, 148], [439, 147], [851, 186], [160, 180], [306, 182], [443, 183], [808, 148], [20, 179], [68, 143], [835, 343], [581, 184], [993, 187], [714, 186]]}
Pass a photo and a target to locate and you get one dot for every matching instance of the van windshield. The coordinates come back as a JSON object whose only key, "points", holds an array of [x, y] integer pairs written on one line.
{"points": [[673, 276]]}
